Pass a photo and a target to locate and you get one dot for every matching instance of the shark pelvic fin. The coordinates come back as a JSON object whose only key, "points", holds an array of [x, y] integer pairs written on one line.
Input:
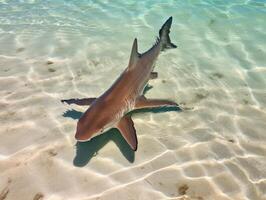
{"points": [[134, 54], [142, 102], [127, 130]]}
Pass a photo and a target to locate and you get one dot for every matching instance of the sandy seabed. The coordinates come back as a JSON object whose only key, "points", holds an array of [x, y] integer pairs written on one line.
{"points": [[214, 150]]}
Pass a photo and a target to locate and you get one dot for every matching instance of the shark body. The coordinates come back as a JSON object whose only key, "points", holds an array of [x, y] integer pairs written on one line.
{"points": [[111, 109]]}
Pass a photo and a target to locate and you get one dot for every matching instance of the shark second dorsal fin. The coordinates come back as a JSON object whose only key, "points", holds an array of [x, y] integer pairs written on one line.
{"points": [[134, 54]]}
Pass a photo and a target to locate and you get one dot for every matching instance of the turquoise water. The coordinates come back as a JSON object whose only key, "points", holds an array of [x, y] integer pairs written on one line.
{"points": [[53, 50]]}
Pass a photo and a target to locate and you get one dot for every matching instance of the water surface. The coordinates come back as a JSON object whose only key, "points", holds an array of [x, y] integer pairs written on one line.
{"points": [[52, 50]]}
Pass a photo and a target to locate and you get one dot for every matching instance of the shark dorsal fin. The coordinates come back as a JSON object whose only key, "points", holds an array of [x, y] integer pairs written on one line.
{"points": [[134, 54]]}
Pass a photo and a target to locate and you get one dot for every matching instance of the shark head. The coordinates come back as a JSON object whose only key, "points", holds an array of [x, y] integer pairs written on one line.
{"points": [[92, 124], [86, 132]]}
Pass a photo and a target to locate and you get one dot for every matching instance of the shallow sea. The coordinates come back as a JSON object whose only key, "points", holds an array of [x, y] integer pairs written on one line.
{"points": [[58, 49]]}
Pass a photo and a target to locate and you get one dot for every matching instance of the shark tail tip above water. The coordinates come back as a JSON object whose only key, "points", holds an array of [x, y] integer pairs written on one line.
{"points": [[164, 35]]}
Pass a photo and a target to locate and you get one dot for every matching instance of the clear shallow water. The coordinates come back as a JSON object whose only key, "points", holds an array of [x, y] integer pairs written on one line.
{"points": [[50, 50]]}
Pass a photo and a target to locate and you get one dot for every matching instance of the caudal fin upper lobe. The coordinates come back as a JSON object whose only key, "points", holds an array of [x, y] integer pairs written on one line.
{"points": [[164, 35]]}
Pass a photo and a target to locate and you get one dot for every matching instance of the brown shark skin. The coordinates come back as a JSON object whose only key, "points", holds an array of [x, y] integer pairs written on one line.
{"points": [[125, 95], [120, 98]]}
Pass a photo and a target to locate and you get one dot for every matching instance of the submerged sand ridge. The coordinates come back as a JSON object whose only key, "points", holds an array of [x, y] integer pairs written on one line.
{"points": [[214, 150]]}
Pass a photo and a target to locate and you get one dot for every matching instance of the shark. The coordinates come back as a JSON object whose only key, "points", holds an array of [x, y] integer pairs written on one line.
{"points": [[112, 109]]}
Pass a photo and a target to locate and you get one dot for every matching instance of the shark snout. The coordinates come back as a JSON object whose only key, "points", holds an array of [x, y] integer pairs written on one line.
{"points": [[81, 137], [85, 133], [81, 131]]}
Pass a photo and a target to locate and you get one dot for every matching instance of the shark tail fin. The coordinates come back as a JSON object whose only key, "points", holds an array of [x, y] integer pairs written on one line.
{"points": [[164, 35]]}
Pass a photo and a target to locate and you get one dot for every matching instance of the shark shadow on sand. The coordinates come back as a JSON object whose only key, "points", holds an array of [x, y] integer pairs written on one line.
{"points": [[113, 109], [85, 151]]}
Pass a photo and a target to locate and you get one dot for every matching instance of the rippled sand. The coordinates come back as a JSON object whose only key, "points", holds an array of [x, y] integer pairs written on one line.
{"points": [[52, 50]]}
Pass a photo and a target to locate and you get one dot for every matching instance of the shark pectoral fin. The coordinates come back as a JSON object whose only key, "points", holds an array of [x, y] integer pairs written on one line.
{"points": [[154, 75], [81, 102], [142, 102], [126, 128]]}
